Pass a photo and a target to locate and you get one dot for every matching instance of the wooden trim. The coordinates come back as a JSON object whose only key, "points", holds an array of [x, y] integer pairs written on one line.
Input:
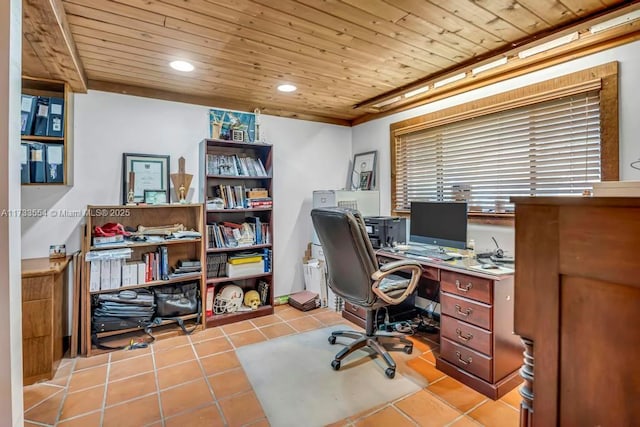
{"points": [[208, 101], [604, 77], [504, 73]]}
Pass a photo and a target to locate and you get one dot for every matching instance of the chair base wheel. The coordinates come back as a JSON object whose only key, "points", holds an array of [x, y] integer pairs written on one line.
{"points": [[390, 372], [335, 364], [408, 349], [332, 340]]}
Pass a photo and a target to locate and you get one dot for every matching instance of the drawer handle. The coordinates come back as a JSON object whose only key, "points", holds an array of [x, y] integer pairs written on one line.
{"points": [[462, 337], [465, 288], [464, 313], [461, 360]]}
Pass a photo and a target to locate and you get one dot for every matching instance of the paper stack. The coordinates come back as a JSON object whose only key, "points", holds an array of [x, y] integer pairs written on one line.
{"points": [[304, 301]]}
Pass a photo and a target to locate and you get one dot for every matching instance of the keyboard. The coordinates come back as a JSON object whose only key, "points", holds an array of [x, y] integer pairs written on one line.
{"points": [[429, 254]]}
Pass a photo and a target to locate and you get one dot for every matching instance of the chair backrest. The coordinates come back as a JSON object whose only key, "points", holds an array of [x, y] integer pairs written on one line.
{"points": [[348, 253]]}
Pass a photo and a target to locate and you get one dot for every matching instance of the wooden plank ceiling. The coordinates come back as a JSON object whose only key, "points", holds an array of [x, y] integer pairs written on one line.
{"points": [[339, 53]]}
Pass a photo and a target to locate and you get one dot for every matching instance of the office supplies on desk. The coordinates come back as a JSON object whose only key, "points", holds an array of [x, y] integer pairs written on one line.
{"points": [[429, 254]]}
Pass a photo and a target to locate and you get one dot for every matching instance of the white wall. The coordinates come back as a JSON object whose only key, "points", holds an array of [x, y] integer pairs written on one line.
{"points": [[374, 135], [11, 404], [307, 156]]}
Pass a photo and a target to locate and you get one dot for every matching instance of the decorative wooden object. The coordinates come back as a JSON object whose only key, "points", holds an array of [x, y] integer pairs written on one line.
{"points": [[43, 284], [181, 181], [577, 302]]}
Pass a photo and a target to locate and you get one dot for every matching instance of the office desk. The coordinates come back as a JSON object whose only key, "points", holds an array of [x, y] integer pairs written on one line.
{"points": [[477, 343], [43, 282]]}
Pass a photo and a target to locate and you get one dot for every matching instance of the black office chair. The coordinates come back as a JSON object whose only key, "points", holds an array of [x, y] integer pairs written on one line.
{"points": [[354, 275]]}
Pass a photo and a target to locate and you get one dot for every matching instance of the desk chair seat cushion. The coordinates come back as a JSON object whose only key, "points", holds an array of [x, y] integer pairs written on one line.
{"points": [[394, 285]]}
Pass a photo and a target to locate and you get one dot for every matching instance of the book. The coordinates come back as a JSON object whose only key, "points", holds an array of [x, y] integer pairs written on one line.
{"points": [[236, 261]]}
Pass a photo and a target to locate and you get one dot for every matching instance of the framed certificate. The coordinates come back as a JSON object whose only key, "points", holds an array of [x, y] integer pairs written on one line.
{"points": [[145, 172]]}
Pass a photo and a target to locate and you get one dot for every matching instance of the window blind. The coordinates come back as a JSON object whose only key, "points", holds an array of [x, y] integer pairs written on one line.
{"points": [[547, 148]]}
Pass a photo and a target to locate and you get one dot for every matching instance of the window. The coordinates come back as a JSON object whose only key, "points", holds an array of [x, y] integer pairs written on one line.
{"points": [[549, 143]]}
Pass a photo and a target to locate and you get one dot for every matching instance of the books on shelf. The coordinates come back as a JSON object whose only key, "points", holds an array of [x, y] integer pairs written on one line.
{"points": [[248, 269], [234, 165], [232, 235], [216, 265]]}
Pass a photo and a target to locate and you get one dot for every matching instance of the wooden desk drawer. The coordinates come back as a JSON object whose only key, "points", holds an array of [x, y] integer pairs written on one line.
{"points": [[430, 273], [467, 286], [467, 310], [466, 334], [467, 359], [355, 310]]}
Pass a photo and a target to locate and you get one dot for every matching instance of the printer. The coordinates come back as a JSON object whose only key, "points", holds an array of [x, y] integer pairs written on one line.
{"points": [[386, 230]]}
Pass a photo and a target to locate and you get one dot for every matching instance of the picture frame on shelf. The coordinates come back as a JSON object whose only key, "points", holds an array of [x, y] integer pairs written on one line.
{"points": [[156, 197], [148, 171], [363, 171], [232, 125]]}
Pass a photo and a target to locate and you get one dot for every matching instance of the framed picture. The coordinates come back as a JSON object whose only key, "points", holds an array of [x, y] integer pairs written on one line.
{"points": [[363, 172], [148, 172], [232, 125], [155, 197]]}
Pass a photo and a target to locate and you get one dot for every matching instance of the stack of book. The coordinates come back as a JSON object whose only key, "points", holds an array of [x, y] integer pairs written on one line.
{"points": [[219, 164], [246, 264], [216, 265], [185, 268]]}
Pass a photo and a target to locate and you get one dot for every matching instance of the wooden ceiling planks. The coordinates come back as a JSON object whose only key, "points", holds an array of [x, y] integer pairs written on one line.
{"points": [[340, 53]]}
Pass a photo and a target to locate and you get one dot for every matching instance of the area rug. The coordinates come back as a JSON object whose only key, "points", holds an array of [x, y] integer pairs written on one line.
{"points": [[294, 381]]}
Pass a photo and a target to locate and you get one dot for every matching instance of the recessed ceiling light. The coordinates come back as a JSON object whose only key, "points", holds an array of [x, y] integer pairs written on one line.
{"points": [[181, 66], [287, 88]]}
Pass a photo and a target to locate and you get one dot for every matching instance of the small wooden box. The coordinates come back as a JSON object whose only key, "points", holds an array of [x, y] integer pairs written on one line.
{"points": [[257, 194]]}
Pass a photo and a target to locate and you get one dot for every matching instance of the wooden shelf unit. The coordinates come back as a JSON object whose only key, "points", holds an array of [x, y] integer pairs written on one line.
{"points": [[53, 88], [210, 181], [190, 215]]}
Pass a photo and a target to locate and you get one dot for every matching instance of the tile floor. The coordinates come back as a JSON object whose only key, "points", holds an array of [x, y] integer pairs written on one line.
{"points": [[197, 380]]}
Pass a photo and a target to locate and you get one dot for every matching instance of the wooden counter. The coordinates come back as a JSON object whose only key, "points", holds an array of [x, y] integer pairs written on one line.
{"points": [[43, 284]]}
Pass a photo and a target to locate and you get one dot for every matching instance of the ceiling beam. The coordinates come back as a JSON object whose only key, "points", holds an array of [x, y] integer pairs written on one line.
{"points": [[46, 28], [210, 101]]}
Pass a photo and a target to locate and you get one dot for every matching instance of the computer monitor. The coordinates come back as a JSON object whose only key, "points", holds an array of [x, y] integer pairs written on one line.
{"points": [[439, 223]]}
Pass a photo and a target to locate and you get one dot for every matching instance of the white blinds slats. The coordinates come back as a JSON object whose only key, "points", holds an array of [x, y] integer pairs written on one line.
{"points": [[549, 148]]}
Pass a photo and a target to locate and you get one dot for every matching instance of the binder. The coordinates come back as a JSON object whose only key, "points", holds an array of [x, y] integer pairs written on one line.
{"points": [[41, 120], [24, 164], [55, 125], [54, 162], [27, 113], [37, 162]]}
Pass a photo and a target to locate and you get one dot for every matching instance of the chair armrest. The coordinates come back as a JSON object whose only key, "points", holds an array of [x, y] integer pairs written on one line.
{"points": [[406, 265]]}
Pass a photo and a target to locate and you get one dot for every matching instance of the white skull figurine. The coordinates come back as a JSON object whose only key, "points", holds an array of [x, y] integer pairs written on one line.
{"points": [[252, 299]]}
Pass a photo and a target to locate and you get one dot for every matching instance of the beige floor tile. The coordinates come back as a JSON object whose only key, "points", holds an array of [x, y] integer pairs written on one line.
{"points": [[466, 421], [134, 413], [389, 416], [292, 314], [513, 398], [220, 362], [36, 393], [207, 334], [328, 318], [456, 393], [88, 420], [130, 388], [496, 414], [178, 374], [277, 330], [234, 328], [90, 362], [229, 383], [307, 323], [174, 356], [266, 320], [246, 338], [47, 411], [82, 402], [426, 369], [208, 416], [212, 346], [241, 409], [170, 343], [130, 367], [427, 410], [88, 378], [128, 354], [185, 397]]}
